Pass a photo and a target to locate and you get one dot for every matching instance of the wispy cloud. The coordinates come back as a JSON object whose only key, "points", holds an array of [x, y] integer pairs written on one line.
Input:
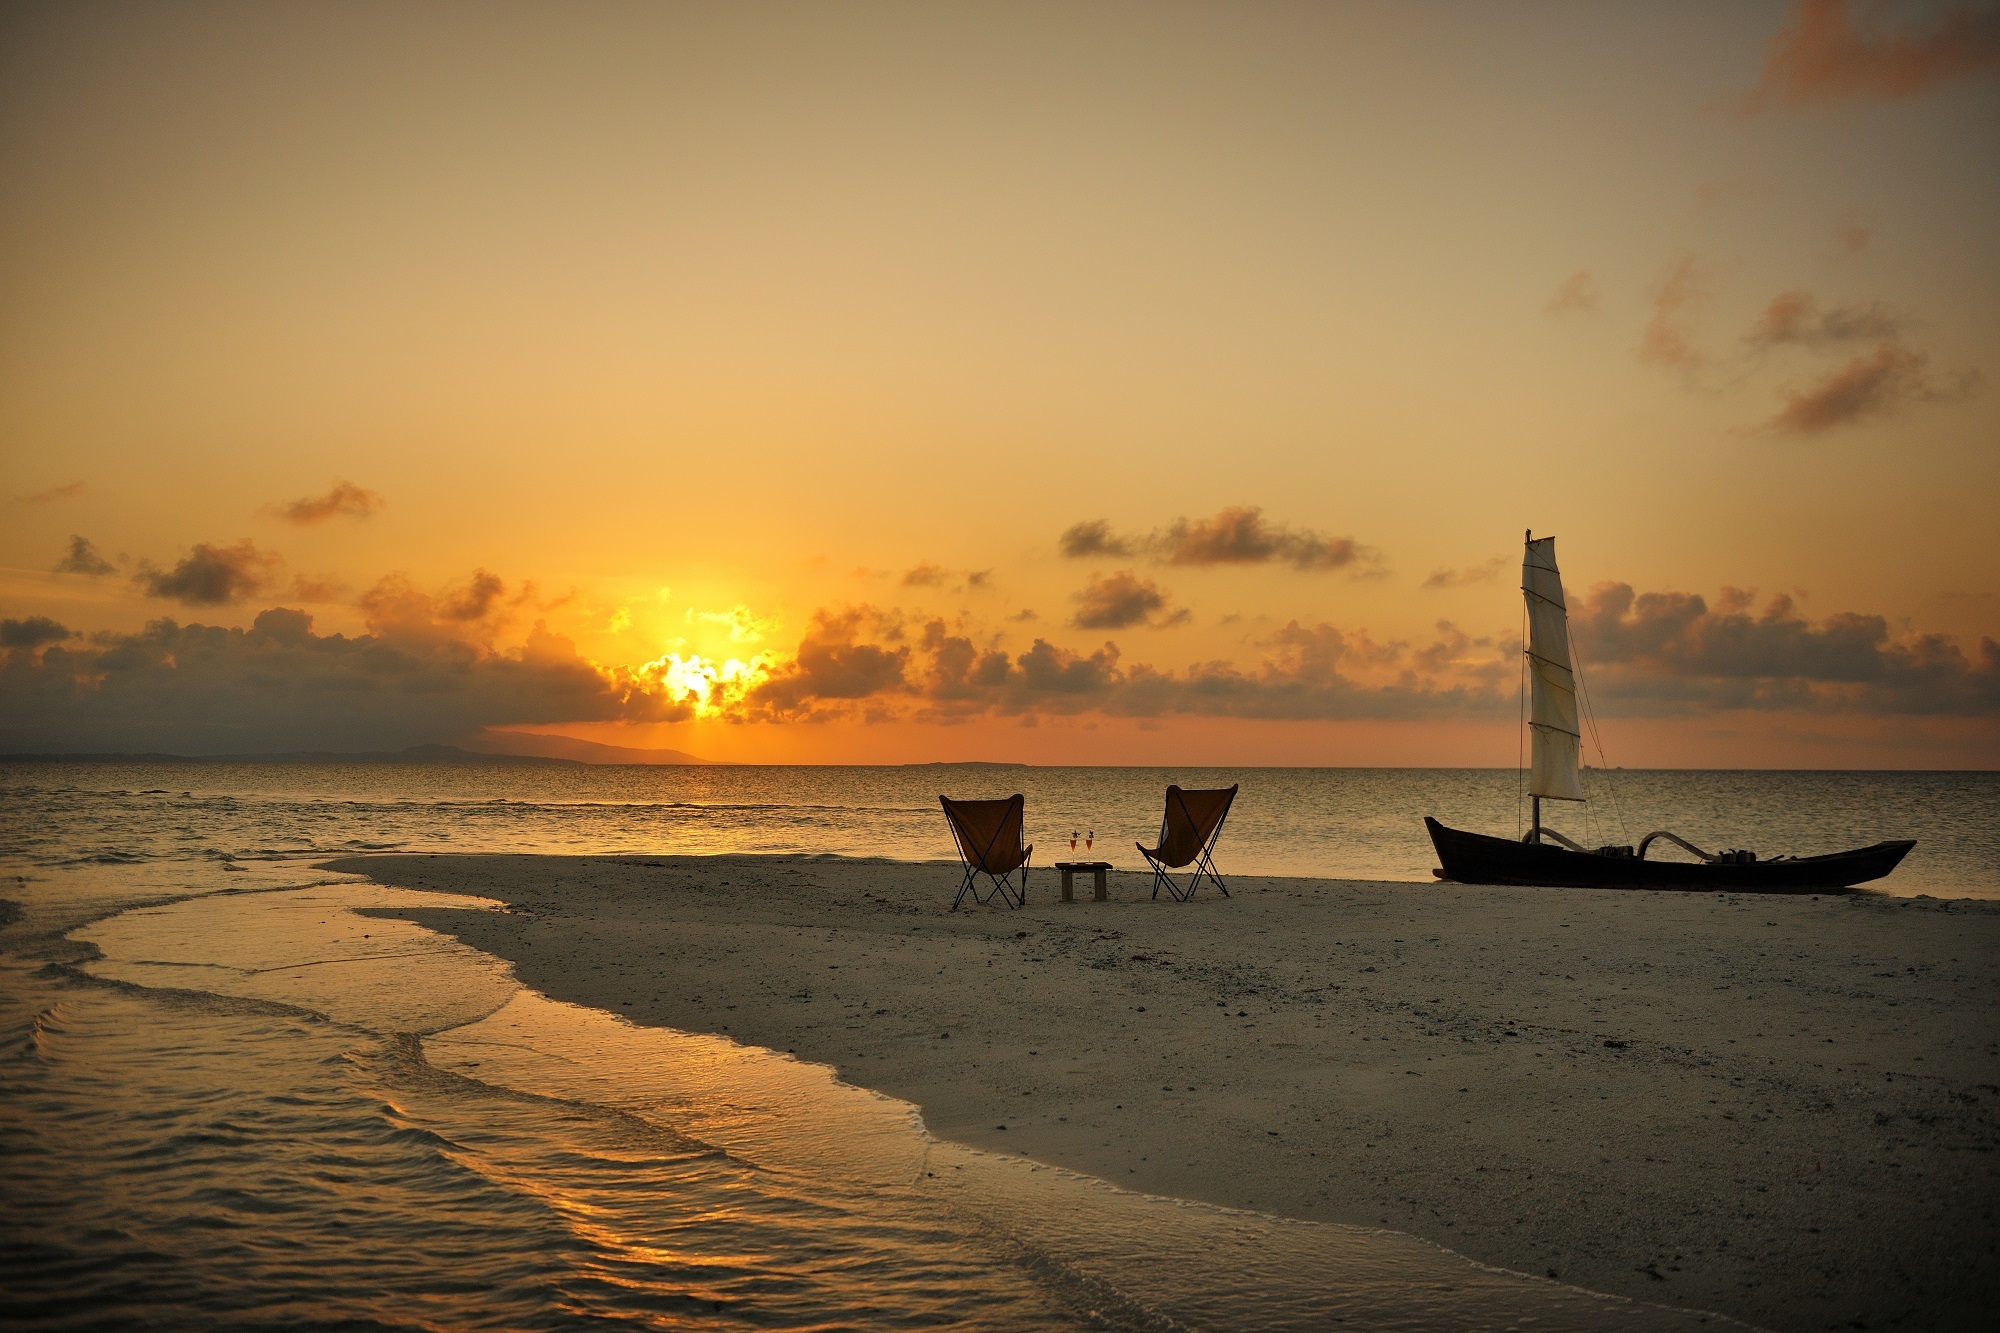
{"points": [[67, 491], [83, 557], [1851, 236], [211, 575], [1484, 572], [1238, 535], [1871, 385], [1795, 317], [344, 500], [1668, 339], [1823, 55], [1577, 295]]}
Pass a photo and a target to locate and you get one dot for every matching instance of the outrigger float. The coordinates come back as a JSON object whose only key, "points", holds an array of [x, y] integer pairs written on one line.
{"points": [[1546, 857]]}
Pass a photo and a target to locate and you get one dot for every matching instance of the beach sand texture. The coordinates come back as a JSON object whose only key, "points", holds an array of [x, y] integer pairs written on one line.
{"points": [[1781, 1109]]}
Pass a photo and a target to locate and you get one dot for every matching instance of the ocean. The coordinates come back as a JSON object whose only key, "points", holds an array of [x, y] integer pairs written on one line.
{"points": [[228, 1100], [1339, 823]]}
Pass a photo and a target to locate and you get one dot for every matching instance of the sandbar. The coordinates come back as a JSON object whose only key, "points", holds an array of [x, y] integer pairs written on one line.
{"points": [[1782, 1109]]}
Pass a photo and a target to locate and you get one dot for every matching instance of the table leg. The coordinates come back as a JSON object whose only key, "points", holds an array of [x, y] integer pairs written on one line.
{"points": [[1101, 891], [1068, 895]]}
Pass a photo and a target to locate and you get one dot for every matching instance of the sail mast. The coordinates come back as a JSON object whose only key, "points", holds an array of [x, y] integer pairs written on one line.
{"points": [[1558, 740]]}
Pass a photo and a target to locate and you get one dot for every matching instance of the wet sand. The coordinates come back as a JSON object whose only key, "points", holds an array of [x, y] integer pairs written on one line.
{"points": [[1781, 1109]]}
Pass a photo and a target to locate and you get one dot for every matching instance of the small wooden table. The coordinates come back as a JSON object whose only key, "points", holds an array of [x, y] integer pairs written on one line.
{"points": [[1068, 869]]}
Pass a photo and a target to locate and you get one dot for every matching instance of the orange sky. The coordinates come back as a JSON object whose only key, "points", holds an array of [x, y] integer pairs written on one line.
{"points": [[809, 336]]}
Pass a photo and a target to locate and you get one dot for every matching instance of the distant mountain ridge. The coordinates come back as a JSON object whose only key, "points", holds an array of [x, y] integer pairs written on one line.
{"points": [[535, 745]]}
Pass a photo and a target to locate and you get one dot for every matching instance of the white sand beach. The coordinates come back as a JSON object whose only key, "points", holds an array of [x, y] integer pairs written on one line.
{"points": [[1781, 1109]]}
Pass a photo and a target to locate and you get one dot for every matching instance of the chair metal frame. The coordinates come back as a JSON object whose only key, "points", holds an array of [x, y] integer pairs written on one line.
{"points": [[1010, 893], [1204, 865]]}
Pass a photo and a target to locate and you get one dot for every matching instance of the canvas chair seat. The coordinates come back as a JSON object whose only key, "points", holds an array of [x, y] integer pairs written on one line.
{"points": [[1188, 830], [988, 834]]}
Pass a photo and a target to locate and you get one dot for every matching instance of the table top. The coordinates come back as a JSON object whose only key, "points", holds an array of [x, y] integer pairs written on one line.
{"points": [[1083, 865]]}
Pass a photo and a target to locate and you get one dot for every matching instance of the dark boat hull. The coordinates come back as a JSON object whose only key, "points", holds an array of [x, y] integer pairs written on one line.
{"points": [[1475, 858]]}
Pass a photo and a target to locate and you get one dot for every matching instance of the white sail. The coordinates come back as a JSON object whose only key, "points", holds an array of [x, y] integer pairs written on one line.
{"points": [[1558, 743]]}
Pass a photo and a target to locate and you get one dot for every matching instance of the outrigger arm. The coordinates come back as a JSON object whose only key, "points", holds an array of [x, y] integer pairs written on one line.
{"points": [[1537, 833], [1677, 840]]}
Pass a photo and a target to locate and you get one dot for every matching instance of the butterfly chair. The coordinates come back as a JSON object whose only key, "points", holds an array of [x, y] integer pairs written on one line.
{"points": [[1188, 831], [988, 834]]}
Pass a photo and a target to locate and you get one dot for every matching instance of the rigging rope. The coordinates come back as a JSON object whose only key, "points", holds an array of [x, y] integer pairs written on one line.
{"points": [[1597, 738]]}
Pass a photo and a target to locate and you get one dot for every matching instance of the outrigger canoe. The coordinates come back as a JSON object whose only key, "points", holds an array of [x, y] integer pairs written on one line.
{"points": [[1476, 858]]}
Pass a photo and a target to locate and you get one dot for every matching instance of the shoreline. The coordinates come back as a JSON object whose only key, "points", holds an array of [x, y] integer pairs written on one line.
{"points": [[1779, 1109]]}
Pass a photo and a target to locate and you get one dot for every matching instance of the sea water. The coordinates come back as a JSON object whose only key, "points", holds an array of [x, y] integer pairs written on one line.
{"points": [[229, 1099], [1341, 823]]}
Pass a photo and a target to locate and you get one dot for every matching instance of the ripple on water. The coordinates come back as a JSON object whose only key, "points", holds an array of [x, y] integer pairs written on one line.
{"points": [[284, 1113]]}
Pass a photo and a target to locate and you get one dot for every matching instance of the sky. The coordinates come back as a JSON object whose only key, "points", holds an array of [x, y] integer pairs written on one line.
{"points": [[1069, 383]]}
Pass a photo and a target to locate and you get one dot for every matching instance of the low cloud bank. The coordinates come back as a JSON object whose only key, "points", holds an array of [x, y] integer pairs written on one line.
{"points": [[278, 685], [429, 669], [1665, 653]]}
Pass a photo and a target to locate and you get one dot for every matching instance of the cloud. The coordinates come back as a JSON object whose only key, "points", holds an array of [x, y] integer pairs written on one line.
{"points": [[745, 626], [67, 491], [1871, 385], [1850, 237], [1709, 195], [1577, 295], [1670, 652], [976, 579], [1795, 317], [1239, 535], [82, 558], [32, 633], [325, 589], [1821, 56], [211, 575], [1484, 572], [1093, 537], [834, 662], [1303, 672], [345, 500], [1121, 601], [1234, 536], [278, 685], [925, 575], [1668, 338], [476, 599]]}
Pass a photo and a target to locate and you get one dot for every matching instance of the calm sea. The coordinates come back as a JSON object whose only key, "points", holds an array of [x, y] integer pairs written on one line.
{"points": [[1344, 823], [229, 1101]]}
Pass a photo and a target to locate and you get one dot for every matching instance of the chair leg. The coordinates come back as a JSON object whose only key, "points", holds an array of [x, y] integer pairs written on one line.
{"points": [[1207, 867]]}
